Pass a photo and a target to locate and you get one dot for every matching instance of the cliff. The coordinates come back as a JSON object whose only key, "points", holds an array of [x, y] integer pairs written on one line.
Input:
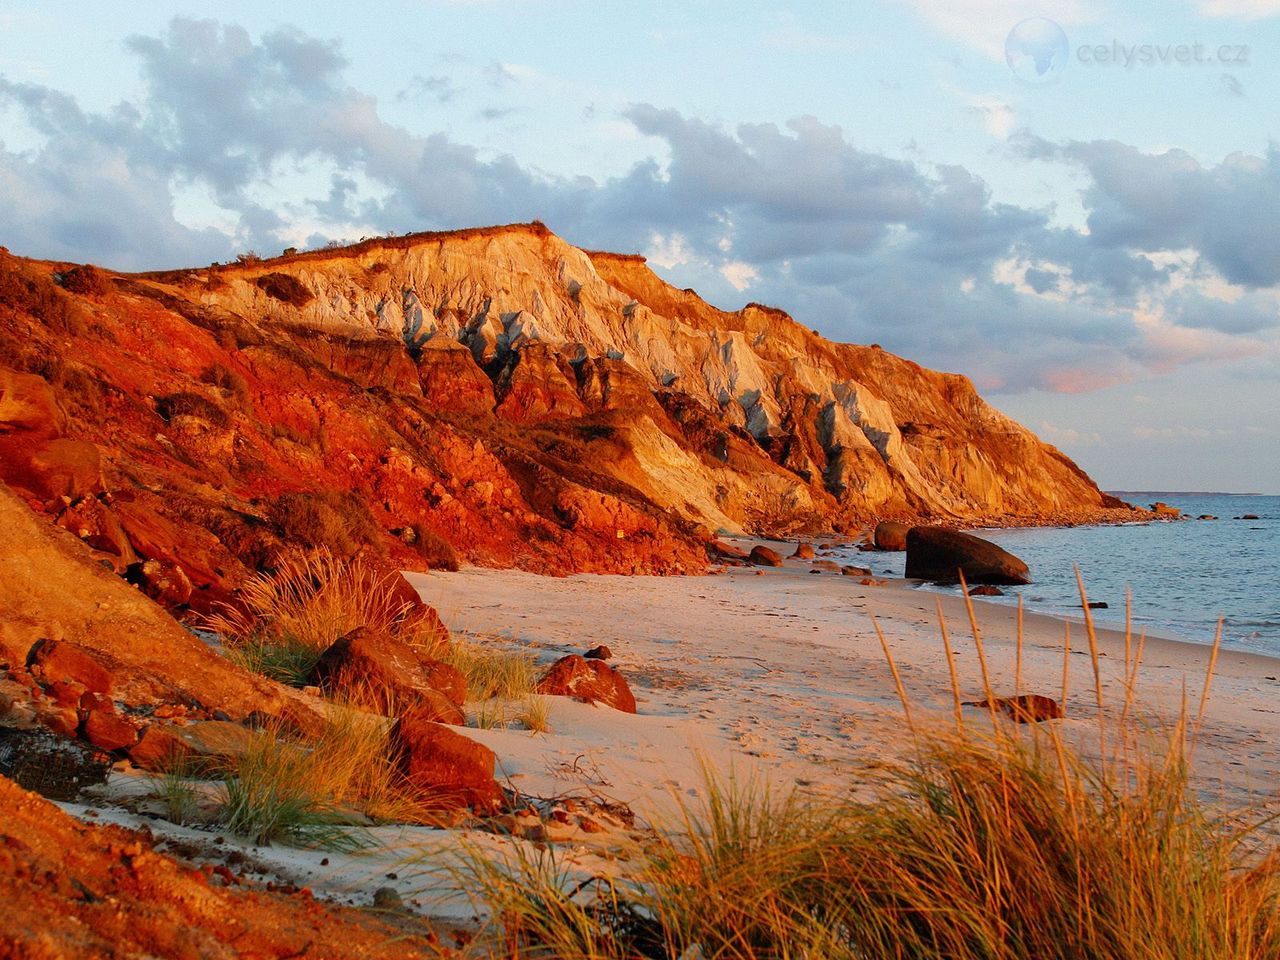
{"points": [[525, 401]]}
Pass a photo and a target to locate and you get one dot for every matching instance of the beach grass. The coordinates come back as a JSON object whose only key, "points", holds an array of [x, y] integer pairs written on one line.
{"points": [[318, 791], [286, 619], [491, 671]]}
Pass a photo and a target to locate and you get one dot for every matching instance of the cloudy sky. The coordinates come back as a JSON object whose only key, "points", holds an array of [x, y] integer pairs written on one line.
{"points": [[1100, 251]]}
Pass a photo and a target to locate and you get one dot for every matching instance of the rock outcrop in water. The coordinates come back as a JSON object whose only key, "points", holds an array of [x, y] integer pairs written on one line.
{"points": [[497, 392]]}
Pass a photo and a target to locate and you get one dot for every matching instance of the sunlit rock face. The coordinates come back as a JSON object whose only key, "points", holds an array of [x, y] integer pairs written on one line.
{"points": [[530, 402]]}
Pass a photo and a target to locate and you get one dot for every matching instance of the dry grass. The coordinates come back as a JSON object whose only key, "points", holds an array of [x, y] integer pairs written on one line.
{"points": [[490, 671], [992, 841], [317, 792], [534, 714], [288, 618]]}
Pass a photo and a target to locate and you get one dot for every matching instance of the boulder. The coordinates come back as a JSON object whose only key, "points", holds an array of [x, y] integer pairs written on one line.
{"points": [[804, 551], [163, 744], [826, 566], [364, 663], [762, 556], [986, 590], [941, 555], [29, 407], [59, 661], [1024, 708], [727, 550], [598, 653], [107, 730], [1248, 516], [851, 571], [890, 535], [448, 769], [1162, 509], [590, 681]]}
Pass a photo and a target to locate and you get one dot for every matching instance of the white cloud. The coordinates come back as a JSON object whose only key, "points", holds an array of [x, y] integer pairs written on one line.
{"points": [[740, 275]]}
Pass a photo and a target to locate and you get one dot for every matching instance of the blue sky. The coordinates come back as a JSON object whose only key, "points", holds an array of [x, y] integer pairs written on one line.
{"points": [[1100, 252]]}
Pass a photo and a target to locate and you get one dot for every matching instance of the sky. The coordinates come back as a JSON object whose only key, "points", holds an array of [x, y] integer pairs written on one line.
{"points": [[1074, 203]]}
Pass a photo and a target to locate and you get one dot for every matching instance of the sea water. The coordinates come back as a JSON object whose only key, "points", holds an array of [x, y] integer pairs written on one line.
{"points": [[1184, 575]]}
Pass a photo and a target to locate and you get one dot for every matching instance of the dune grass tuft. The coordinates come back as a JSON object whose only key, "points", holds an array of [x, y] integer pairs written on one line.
{"points": [[490, 671], [318, 792], [285, 620]]}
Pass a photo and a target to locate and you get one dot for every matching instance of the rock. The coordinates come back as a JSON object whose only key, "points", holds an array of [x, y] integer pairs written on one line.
{"points": [[377, 664], [804, 551], [939, 554], [1206, 516], [598, 653], [164, 744], [872, 582], [727, 550], [590, 681], [28, 406], [1098, 605], [448, 769], [165, 583], [1248, 516], [54, 661], [51, 765], [851, 571], [1162, 509], [386, 898], [762, 556], [890, 535], [826, 566], [1024, 708], [986, 590], [107, 730]]}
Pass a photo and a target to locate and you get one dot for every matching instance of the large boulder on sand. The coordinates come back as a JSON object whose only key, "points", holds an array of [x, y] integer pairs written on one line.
{"points": [[590, 681], [890, 535], [447, 769], [762, 556], [366, 664], [939, 554]]}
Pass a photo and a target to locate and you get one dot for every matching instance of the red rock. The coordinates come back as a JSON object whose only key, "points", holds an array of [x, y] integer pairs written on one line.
{"points": [[28, 406], [727, 550], [164, 743], [825, 566], [590, 681], [890, 535], [804, 551], [61, 660], [1025, 708], [364, 661], [107, 730], [165, 582], [763, 556], [850, 571], [598, 653], [986, 590], [448, 769], [94, 522]]}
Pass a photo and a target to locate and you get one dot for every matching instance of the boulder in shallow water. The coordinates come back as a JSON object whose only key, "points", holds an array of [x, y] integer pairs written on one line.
{"points": [[986, 590], [890, 535], [942, 555]]}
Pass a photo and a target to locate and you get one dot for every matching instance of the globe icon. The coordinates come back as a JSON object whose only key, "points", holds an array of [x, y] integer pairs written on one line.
{"points": [[1036, 50]]}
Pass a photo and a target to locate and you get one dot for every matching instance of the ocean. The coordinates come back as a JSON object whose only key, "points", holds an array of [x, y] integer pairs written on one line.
{"points": [[1184, 574]]}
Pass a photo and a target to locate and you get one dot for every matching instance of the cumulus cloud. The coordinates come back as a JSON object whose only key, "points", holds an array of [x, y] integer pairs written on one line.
{"points": [[1179, 262]]}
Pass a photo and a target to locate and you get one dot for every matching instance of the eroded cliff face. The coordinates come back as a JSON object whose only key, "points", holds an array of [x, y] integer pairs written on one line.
{"points": [[532, 403]]}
